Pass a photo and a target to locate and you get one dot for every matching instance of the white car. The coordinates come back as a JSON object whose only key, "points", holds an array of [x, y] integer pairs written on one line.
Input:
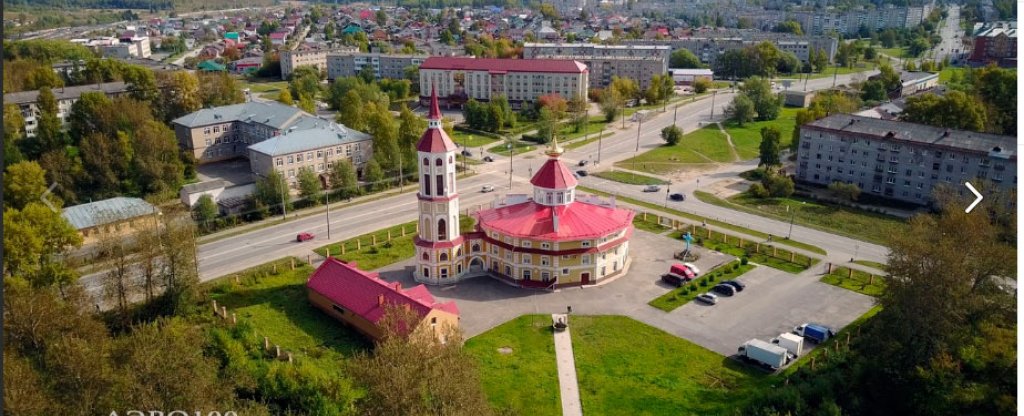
{"points": [[707, 298], [487, 188], [693, 267]]}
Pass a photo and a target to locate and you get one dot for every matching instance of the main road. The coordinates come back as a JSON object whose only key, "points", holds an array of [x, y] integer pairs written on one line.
{"points": [[241, 251]]}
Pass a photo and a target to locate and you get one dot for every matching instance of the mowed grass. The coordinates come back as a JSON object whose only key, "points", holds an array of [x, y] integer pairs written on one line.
{"points": [[472, 141], [625, 367], [869, 263], [857, 281], [525, 379], [747, 138], [947, 73], [650, 224], [517, 148], [370, 256], [275, 304], [595, 125], [702, 146], [629, 178], [850, 222], [843, 70]]}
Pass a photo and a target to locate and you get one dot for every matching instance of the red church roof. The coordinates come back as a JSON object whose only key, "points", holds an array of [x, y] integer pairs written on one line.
{"points": [[554, 175], [578, 220], [506, 65], [360, 291], [435, 140], [435, 109]]}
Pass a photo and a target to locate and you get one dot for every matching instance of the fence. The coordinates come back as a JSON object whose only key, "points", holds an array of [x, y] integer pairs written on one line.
{"points": [[275, 352]]}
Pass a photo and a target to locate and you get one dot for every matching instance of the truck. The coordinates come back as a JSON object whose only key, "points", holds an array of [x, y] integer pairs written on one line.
{"points": [[764, 353], [814, 332], [792, 343]]}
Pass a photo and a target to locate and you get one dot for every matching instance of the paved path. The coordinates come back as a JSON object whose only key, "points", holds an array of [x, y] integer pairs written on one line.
{"points": [[568, 386]]}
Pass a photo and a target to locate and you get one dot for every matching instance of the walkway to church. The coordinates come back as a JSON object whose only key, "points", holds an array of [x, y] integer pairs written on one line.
{"points": [[567, 384]]}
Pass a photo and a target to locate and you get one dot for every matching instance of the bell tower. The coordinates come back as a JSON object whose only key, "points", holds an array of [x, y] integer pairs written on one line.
{"points": [[439, 251]]}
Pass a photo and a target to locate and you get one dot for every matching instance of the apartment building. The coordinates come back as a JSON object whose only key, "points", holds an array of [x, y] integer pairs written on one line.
{"points": [[709, 48], [638, 62], [294, 59], [901, 161], [995, 42], [27, 101], [134, 47], [315, 148], [226, 132], [344, 64], [522, 81]]}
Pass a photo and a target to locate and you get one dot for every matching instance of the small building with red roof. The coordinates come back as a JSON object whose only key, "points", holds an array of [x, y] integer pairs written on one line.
{"points": [[360, 299], [552, 238]]}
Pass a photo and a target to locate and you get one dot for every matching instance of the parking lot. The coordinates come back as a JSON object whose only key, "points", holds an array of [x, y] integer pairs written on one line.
{"points": [[773, 302]]}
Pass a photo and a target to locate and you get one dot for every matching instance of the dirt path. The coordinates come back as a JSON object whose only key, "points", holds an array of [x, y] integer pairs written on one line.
{"points": [[728, 139]]}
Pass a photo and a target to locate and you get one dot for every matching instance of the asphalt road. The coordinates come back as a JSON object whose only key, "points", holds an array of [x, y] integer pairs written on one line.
{"points": [[239, 252], [950, 32]]}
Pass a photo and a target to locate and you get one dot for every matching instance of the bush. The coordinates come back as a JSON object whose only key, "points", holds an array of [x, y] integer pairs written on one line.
{"points": [[734, 267], [744, 261], [757, 191], [703, 282]]}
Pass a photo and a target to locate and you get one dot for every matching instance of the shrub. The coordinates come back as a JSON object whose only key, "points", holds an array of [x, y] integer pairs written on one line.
{"points": [[758, 191], [703, 282], [744, 261], [734, 267]]}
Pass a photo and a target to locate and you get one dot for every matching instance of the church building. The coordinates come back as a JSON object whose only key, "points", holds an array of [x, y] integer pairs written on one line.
{"points": [[552, 238]]}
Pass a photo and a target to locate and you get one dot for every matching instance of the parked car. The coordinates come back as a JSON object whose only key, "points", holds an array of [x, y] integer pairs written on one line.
{"points": [[724, 289], [677, 197], [674, 279], [693, 268], [304, 237], [487, 188], [707, 298], [582, 172], [739, 286], [652, 188], [466, 152], [682, 271], [488, 159], [814, 332], [582, 163]]}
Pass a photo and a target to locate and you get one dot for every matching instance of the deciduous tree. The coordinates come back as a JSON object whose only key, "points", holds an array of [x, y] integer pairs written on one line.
{"points": [[309, 186], [683, 58], [769, 148], [25, 182], [671, 135]]}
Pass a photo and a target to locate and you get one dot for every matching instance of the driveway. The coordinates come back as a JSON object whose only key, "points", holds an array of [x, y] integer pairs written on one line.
{"points": [[773, 302], [235, 172]]}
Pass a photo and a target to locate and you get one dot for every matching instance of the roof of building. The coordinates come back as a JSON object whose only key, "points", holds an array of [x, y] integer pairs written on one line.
{"points": [[203, 186], [691, 71], [323, 134], [211, 66], [270, 113], [66, 93], [575, 221], [920, 133], [595, 46], [907, 77], [435, 139], [554, 175], [505, 65], [360, 292], [106, 211]]}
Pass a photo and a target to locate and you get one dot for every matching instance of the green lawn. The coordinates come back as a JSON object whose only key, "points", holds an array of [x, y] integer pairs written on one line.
{"points": [[588, 140], [650, 225], [843, 70], [698, 218], [661, 375], [526, 378], [702, 146], [859, 281], [684, 294], [629, 178], [869, 263], [369, 256], [595, 125], [472, 141], [275, 304], [851, 222], [947, 73], [747, 139], [517, 148], [799, 264]]}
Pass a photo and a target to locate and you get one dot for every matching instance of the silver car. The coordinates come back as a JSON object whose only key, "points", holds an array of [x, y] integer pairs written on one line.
{"points": [[707, 298], [652, 188]]}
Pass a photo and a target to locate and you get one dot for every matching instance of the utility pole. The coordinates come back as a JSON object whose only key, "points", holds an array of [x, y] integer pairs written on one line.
{"points": [[599, 136], [675, 111], [835, 74], [638, 125], [713, 95], [791, 216], [401, 177], [623, 114], [327, 198], [509, 146], [284, 198]]}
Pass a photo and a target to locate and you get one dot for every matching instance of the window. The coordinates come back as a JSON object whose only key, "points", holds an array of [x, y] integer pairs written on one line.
{"points": [[585, 243], [527, 259], [426, 162], [444, 272], [291, 173], [320, 167], [279, 161], [476, 247], [426, 185], [565, 272], [298, 157], [527, 275], [545, 261], [309, 156], [440, 185], [209, 142], [443, 257], [442, 229], [585, 259], [438, 162], [545, 245], [319, 154]]}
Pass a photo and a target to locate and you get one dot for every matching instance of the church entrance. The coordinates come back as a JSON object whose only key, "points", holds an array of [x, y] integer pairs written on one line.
{"points": [[476, 265]]}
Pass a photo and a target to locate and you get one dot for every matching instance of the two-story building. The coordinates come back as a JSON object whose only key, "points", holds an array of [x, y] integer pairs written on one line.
{"points": [[317, 149]]}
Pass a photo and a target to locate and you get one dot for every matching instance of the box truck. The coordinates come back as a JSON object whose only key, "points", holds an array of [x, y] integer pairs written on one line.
{"points": [[792, 343], [814, 332], [764, 353]]}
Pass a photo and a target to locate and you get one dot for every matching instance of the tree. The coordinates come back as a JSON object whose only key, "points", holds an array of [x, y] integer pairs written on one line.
{"points": [[611, 105], [757, 190], [890, 78], [701, 85], [307, 104], [382, 126], [205, 211], [155, 165], [344, 179], [49, 132], [818, 59], [769, 149], [219, 89], [778, 186], [741, 110], [88, 114], [285, 97], [671, 135], [272, 191], [24, 182], [789, 26], [179, 94], [996, 87], [545, 125], [309, 185], [766, 104], [557, 105], [373, 175], [627, 88], [351, 114], [843, 190], [410, 128], [872, 90], [954, 110], [683, 58], [35, 239]]}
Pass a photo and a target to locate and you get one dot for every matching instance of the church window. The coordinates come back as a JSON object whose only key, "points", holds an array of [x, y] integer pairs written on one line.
{"points": [[426, 162], [444, 273], [442, 229], [440, 185], [426, 184], [426, 256], [476, 248], [443, 257], [438, 162], [426, 272]]}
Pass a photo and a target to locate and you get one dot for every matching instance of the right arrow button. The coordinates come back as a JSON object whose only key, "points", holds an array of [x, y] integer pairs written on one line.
{"points": [[976, 201]]}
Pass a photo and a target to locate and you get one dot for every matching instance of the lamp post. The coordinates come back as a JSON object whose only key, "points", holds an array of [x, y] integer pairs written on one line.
{"points": [[713, 95], [284, 198], [791, 216], [509, 147]]}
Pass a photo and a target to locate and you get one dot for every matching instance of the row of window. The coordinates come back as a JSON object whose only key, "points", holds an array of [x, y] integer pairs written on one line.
{"points": [[298, 157]]}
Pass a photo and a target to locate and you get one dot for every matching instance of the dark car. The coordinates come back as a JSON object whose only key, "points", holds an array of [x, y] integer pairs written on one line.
{"points": [[304, 237], [736, 284], [582, 173], [724, 289], [677, 197], [674, 279], [467, 153], [488, 159], [583, 163]]}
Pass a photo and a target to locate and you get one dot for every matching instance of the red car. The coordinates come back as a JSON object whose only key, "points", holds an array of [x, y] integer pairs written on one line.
{"points": [[304, 237]]}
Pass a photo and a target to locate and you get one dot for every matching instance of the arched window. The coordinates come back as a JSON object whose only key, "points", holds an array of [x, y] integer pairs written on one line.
{"points": [[438, 162], [426, 162], [476, 248], [458, 252], [442, 229], [426, 272], [426, 256], [451, 160], [443, 257]]}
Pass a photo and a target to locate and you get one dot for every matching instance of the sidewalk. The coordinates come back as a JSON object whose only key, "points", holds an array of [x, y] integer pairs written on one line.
{"points": [[567, 383]]}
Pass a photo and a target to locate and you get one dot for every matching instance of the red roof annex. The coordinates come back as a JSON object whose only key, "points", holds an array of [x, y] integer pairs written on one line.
{"points": [[509, 65], [578, 220], [360, 291]]}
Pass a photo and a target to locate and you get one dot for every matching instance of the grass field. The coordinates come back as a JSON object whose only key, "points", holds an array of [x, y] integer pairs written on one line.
{"points": [[269, 90], [650, 225], [877, 265], [684, 294], [859, 281], [831, 71], [594, 126], [580, 142], [662, 375], [629, 178], [702, 146], [851, 222], [472, 141], [947, 73], [275, 305], [747, 139], [368, 256], [526, 378], [782, 263], [517, 148], [698, 218]]}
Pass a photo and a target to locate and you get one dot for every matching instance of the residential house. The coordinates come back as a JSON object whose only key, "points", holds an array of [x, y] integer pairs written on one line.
{"points": [[117, 216]]}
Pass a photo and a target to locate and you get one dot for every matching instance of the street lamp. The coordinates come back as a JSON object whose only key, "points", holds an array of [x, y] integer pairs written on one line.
{"points": [[599, 136], [713, 95], [509, 147]]}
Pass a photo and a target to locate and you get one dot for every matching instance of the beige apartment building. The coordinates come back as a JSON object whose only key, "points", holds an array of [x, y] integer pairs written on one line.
{"points": [[317, 149], [522, 81], [342, 64], [637, 62], [308, 56]]}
